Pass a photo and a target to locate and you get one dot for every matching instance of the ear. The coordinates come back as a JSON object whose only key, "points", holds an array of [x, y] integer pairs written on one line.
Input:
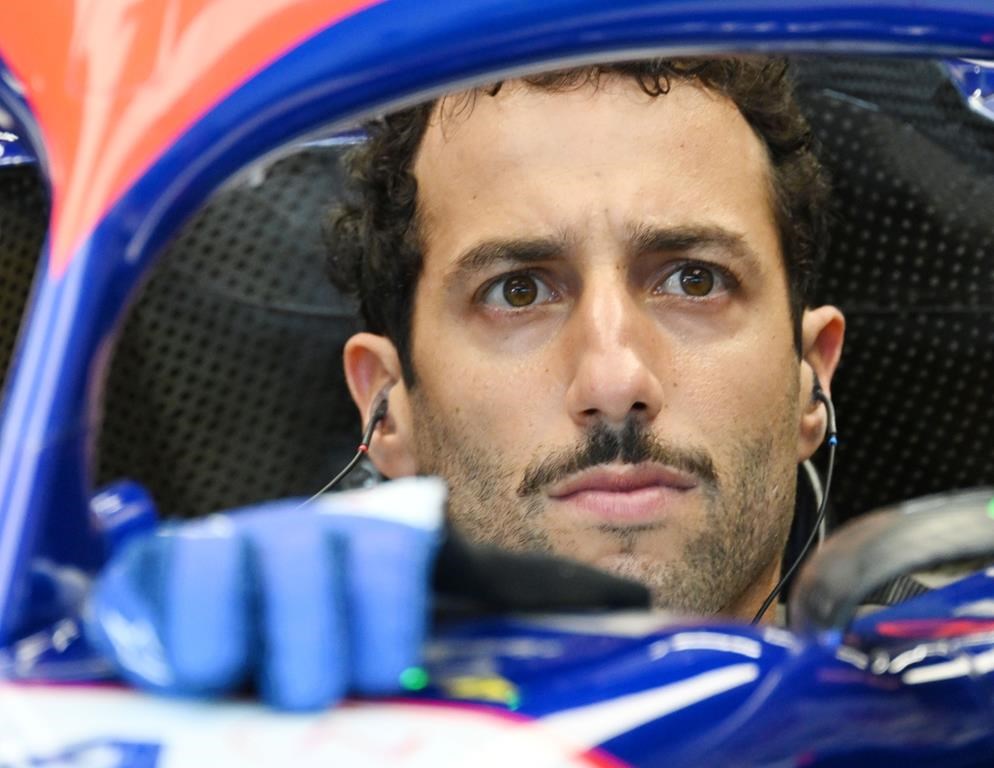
{"points": [[372, 368], [822, 332]]}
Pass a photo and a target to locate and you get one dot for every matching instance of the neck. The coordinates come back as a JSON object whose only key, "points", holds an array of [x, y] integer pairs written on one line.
{"points": [[745, 606]]}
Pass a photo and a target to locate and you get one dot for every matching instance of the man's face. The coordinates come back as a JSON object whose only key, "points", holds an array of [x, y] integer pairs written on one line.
{"points": [[602, 337]]}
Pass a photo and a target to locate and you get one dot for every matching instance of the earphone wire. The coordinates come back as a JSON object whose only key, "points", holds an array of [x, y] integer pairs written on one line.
{"points": [[817, 491], [817, 530], [379, 412], [833, 440]]}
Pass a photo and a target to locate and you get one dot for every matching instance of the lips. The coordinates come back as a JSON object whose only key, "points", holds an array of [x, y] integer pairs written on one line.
{"points": [[623, 495]]}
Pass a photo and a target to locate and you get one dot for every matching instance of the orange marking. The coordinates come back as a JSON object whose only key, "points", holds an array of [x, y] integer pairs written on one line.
{"points": [[114, 83]]}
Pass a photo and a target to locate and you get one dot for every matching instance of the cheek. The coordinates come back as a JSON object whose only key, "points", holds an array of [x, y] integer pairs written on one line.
{"points": [[736, 386], [500, 400]]}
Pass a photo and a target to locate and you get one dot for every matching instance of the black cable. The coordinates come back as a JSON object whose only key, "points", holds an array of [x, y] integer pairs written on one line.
{"points": [[367, 437], [833, 440], [381, 410]]}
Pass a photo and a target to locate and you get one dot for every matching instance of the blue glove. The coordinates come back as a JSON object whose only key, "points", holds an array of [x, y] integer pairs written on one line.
{"points": [[310, 602]]}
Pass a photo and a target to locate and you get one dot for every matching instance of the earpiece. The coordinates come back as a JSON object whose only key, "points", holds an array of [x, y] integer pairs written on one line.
{"points": [[379, 413], [818, 394], [832, 439]]}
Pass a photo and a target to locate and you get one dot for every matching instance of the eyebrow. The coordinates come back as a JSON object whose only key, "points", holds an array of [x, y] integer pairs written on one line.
{"points": [[521, 251], [642, 239]]}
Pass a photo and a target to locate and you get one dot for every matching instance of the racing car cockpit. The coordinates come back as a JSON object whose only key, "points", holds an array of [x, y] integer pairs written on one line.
{"points": [[221, 387]]}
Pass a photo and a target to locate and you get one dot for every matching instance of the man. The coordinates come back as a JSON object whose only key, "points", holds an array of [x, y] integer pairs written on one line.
{"points": [[587, 306], [587, 301]]}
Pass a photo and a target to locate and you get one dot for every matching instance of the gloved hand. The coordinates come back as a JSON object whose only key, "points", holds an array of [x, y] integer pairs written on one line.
{"points": [[311, 602]]}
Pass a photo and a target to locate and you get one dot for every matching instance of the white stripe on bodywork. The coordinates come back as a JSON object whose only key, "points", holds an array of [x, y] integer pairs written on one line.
{"points": [[586, 727]]}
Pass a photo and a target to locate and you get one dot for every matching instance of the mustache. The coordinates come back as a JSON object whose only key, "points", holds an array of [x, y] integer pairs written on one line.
{"points": [[634, 443]]}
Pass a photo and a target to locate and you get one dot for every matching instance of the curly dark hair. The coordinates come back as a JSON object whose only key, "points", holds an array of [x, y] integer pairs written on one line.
{"points": [[374, 243]]}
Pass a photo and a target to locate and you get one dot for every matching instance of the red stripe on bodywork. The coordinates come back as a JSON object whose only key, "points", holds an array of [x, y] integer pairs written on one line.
{"points": [[934, 628], [113, 84]]}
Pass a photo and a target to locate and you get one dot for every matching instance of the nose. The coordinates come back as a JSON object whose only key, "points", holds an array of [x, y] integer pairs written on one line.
{"points": [[617, 358]]}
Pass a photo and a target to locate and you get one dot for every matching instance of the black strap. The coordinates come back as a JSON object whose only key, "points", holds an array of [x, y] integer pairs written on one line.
{"points": [[480, 578]]}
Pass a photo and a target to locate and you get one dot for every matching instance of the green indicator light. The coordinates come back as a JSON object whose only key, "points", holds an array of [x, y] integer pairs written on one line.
{"points": [[414, 678], [990, 508]]}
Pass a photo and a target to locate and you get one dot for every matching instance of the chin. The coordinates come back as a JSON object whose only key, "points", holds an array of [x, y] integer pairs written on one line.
{"points": [[672, 586], [640, 568]]}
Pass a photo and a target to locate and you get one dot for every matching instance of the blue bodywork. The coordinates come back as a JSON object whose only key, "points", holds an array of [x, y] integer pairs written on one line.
{"points": [[730, 695], [750, 696]]}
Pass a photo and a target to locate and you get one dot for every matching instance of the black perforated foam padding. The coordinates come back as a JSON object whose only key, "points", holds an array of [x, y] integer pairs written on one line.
{"points": [[912, 267], [227, 386], [23, 218]]}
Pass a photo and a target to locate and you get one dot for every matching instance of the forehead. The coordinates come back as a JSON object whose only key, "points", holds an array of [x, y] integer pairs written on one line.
{"points": [[534, 162]]}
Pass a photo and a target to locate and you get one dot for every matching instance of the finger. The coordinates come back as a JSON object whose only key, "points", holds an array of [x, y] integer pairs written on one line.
{"points": [[207, 629], [171, 611], [123, 619], [304, 648], [388, 567]]}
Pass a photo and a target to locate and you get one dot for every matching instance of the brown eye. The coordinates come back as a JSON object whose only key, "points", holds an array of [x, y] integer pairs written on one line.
{"points": [[696, 281], [520, 290]]}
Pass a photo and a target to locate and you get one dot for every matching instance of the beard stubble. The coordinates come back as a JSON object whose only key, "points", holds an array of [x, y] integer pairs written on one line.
{"points": [[747, 502]]}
